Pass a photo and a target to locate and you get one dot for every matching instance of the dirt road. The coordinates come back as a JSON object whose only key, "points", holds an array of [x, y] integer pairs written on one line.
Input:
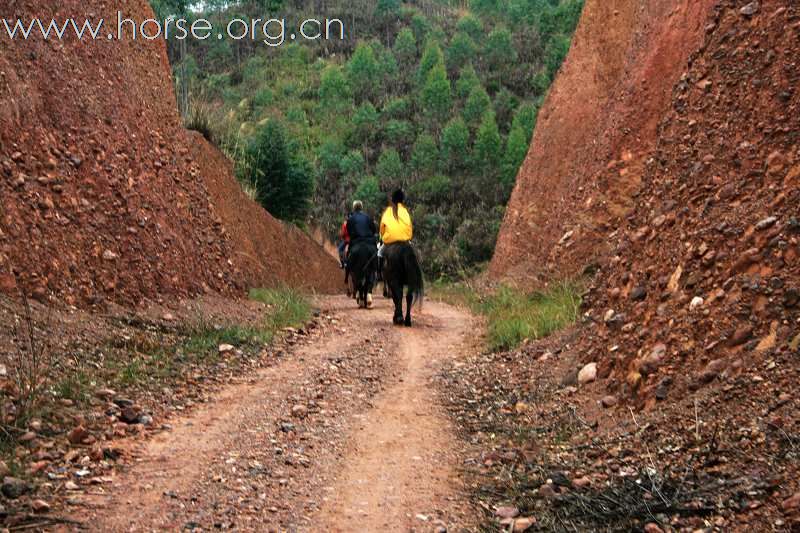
{"points": [[343, 434]]}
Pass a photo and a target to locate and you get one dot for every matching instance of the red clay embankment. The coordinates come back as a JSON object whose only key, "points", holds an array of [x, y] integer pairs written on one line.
{"points": [[594, 135], [101, 196]]}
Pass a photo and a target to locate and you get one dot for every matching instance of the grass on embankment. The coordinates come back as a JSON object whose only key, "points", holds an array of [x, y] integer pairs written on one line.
{"points": [[514, 316], [142, 358]]}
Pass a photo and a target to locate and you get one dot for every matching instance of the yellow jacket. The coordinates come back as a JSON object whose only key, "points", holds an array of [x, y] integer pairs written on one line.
{"points": [[397, 229]]}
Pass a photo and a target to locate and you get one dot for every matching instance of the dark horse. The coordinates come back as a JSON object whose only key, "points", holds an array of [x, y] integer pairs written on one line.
{"points": [[401, 269], [362, 265]]}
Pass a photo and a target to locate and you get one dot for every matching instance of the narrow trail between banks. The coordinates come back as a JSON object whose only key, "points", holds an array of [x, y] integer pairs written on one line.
{"points": [[342, 434]]}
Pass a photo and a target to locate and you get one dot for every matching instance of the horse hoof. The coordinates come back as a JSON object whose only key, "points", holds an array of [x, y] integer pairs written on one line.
{"points": [[398, 321], [408, 323]]}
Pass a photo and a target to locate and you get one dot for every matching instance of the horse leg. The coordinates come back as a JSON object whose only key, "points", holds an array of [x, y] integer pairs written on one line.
{"points": [[397, 296], [409, 302]]}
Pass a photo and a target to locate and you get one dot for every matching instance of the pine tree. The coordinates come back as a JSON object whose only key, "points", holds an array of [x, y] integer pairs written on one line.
{"points": [[334, 91], [390, 169], [431, 58], [455, 144], [362, 70], [476, 106], [405, 47], [516, 151], [460, 51], [283, 179], [525, 119], [467, 82], [437, 98], [471, 26], [425, 155], [488, 144]]}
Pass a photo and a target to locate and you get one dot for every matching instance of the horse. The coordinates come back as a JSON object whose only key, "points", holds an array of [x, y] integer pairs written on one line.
{"points": [[401, 269], [362, 266]]}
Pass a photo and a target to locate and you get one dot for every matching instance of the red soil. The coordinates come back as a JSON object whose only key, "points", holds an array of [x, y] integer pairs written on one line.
{"points": [[594, 134], [98, 187]]}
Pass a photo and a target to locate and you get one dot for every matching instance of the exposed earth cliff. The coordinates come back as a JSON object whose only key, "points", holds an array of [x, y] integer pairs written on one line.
{"points": [[103, 193]]}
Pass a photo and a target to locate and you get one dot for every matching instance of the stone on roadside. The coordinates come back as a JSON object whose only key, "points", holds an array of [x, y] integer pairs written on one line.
{"points": [[130, 415], [40, 506], [697, 303], [523, 524], [13, 488], [78, 435], [299, 411], [750, 9], [507, 511], [105, 394], [587, 374], [609, 401], [792, 503], [225, 348]]}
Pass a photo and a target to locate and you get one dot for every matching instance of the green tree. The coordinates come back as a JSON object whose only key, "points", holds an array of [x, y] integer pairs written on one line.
{"points": [[334, 91], [476, 106], [399, 133], [460, 51], [434, 190], [352, 166], [362, 70], [455, 144], [425, 155], [470, 25], [398, 108], [431, 58], [467, 82], [516, 151], [437, 98], [485, 7], [390, 168], [365, 121], [389, 69], [499, 52], [421, 26], [405, 46], [369, 192], [283, 179], [505, 103], [556, 52], [387, 9], [329, 156], [488, 144], [525, 119]]}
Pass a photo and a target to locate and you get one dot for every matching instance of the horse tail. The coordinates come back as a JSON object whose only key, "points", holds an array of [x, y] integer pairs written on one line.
{"points": [[416, 283]]}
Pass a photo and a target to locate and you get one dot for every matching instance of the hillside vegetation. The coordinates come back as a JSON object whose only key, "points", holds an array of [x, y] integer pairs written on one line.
{"points": [[438, 97]]}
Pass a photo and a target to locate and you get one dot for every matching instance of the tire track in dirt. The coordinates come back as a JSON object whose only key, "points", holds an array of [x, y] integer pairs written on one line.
{"points": [[373, 452], [401, 473]]}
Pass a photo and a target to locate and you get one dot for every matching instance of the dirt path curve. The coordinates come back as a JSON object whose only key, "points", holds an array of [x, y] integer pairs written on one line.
{"points": [[343, 434]]}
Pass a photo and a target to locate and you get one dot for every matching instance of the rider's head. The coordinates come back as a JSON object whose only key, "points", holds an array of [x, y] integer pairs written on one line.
{"points": [[398, 197], [358, 206]]}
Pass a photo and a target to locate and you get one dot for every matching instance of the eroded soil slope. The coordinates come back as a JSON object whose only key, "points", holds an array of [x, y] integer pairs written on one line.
{"points": [[674, 405], [101, 196], [595, 133], [706, 274]]}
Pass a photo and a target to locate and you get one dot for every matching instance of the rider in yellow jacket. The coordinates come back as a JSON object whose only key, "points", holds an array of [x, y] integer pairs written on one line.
{"points": [[396, 225]]}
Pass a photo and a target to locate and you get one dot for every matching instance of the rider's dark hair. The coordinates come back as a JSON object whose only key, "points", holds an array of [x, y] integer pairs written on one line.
{"points": [[398, 197]]}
